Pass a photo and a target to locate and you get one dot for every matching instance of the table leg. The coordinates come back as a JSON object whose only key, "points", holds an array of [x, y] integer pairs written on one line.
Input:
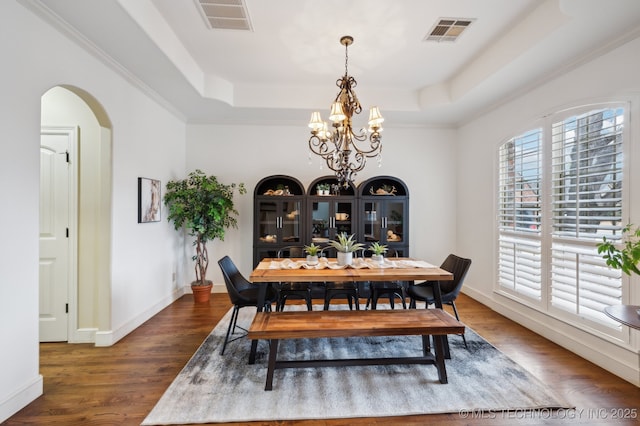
{"points": [[262, 295], [271, 366]]}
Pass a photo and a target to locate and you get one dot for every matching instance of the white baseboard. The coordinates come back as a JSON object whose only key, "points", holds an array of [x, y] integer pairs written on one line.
{"points": [[622, 362], [110, 337], [84, 335], [20, 399]]}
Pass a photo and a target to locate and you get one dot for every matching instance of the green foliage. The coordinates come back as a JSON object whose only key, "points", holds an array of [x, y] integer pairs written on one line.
{"points": [[204, 206], [377, 248], [312, 249], [628, 256], [346, 243]]}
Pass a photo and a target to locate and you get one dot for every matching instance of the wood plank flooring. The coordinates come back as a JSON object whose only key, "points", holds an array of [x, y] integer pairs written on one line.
{"points": [[119, 385]]}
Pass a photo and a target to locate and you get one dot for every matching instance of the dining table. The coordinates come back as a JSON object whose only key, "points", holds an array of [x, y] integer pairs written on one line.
{"points": [[277, 270]]}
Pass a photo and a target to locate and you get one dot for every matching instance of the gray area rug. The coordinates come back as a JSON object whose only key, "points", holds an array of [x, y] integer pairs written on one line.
{"points": [[213, 388]]}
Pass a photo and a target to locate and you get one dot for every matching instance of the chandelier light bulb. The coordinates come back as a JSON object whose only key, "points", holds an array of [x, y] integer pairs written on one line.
{"points": [[337, 113], [375, 118], [316, 121]]}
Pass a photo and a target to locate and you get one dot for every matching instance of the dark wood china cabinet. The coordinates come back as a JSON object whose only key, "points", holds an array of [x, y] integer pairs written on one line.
{"points": [[286, 214]]}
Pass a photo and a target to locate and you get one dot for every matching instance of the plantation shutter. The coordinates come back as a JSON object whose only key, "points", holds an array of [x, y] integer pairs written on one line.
{"points": [[587, 164], [519, 215]]}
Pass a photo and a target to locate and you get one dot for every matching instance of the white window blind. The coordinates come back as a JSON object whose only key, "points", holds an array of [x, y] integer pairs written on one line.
{"points": [[587, 174], [560, 190], [519, 215], [587, 160]]}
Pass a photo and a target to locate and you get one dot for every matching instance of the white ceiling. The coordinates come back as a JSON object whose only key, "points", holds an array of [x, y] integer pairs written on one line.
{"points": [[288, 64]]}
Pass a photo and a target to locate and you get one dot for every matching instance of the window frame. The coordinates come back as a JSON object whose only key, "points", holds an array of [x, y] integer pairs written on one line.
{"points": [[546, 238]]}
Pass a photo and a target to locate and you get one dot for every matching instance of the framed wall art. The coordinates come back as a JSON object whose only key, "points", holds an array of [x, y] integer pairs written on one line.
{"points": [[149, 200]]}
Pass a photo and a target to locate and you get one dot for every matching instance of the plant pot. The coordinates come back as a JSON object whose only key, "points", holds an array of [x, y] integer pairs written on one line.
{"points": [[312, 260], [345, 258], [377, 258], [201, 293]]}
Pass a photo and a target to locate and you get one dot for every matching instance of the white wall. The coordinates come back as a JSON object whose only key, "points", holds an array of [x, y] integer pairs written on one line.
{"points": [[423, 158], [613, 76], [147, 141]]}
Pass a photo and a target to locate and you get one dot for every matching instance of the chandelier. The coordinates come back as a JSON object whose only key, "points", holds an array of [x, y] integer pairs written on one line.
{"points": [[339, 146]]}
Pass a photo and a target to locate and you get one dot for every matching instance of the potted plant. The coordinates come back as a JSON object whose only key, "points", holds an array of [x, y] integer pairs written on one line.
{"points": [[322, 188], [312, 253], [378, 251], [345, 245], [627, 257], [204, 206]]}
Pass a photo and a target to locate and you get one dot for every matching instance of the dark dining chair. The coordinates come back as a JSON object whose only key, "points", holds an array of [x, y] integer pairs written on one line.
{"points": [[242, 293], [391, 289], [292, 290], [347, 289], [449, 290]]}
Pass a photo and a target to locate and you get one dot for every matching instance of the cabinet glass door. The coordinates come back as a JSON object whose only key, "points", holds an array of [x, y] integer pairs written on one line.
{"points": [[290, 222], [394, 222], [343, 217], [372, 221], [320, 220], [268, 221]]}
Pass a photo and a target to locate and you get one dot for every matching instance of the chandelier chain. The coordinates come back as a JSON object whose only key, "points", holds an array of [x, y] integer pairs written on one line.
{"points": [[338, 146]]}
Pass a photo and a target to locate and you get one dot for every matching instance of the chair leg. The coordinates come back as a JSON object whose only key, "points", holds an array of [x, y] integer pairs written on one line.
{"points": [[455, 311], [232, 325], [309, 304]]}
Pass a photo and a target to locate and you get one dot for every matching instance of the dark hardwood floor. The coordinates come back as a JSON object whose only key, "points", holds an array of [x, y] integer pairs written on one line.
{"points": [[119, 385]]}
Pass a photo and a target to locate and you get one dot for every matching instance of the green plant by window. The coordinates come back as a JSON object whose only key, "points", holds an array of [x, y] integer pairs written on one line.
{"points": [[346, 243], [627, 257]]}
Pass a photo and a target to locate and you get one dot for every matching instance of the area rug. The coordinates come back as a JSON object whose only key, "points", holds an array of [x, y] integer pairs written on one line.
{"points": [[214, 389]]}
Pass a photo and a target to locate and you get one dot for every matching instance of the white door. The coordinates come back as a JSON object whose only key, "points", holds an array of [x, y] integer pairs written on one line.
{"points": [[54, 238]]}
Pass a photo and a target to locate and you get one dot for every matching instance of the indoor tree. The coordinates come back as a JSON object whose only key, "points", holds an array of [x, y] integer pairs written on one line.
{"points": [[204, 206]]}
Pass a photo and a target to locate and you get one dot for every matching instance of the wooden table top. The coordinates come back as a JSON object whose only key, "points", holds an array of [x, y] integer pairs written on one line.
{"points": [[264, 273], [626, 314]]}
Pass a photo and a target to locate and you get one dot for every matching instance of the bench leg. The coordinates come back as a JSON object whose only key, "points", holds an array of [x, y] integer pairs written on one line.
{"points": [[439, 342], [273, 353], [426, 345]]}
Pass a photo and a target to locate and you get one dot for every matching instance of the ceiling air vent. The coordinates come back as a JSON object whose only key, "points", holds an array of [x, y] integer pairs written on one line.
{"points": [[225, 14], [448, 29]]}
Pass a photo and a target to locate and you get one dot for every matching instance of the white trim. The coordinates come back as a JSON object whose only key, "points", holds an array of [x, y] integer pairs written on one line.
{"points": [[43, 11], [85, 335], [21, 398], [621, 360], [110, 337]]}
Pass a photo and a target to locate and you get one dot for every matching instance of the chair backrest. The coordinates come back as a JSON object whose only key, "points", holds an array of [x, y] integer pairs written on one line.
{"points": [[328, 251], [458, 266], [291, 251], [234, 280]]}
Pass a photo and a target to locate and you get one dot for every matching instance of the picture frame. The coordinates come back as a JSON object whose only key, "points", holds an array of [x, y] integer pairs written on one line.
{"points": [[149, 200]]}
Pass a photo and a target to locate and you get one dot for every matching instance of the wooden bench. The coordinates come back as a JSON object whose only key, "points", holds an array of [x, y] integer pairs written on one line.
{"points": [[275, 326]]}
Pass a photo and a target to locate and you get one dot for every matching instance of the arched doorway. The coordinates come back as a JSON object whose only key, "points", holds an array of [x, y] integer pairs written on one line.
{"points": [[71, 114]]}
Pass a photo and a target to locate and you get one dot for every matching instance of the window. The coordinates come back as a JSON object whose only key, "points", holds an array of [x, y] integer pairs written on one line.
{"points": [[560, 189], [519, 215]]}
